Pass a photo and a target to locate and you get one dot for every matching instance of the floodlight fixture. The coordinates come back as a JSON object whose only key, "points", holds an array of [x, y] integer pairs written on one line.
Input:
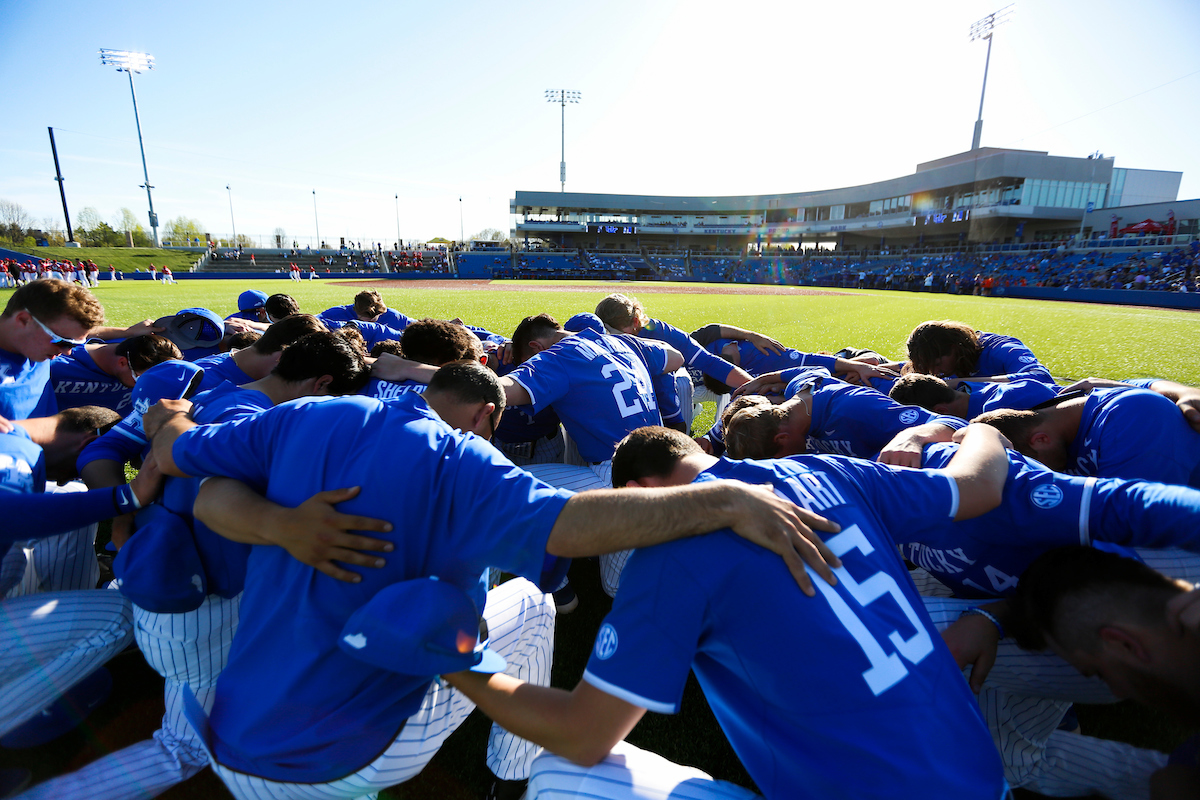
{"points": [[982, 29], [562, 97], [130, 62]]}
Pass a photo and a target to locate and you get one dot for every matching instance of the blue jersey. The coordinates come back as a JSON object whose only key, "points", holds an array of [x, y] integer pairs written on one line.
{"points": [[1022, 394], [848, 694], [694, 354], [751, 359], [25, 390], [390, 390], [290, 705], [520, 423], [78, 381], [1006, 355], [1040, 510], [343, 314], [224, 560], [1137, 434], [857, 421], [372, 332], [666, 391], [599, 387], [220, 368]]}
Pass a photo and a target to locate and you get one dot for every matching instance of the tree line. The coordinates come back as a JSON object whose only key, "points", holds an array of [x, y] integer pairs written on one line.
{"points": [[18, 226]]}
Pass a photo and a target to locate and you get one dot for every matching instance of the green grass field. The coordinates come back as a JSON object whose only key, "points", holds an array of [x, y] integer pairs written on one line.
{"points": [[125, 259], [1074, 340]]}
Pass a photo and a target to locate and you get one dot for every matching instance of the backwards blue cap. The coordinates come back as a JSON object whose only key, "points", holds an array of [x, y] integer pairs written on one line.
{"points": [[193, 327], [420, 627], [584, 321], [251, 299]]}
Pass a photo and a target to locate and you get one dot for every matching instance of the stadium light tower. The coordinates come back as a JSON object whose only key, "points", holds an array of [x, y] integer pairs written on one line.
{"points": [[130, 62], [562, 97], [231, 220], [983, 30]]}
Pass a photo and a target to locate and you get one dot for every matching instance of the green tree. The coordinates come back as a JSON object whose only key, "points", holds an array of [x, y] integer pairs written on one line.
{"points": [[182, 230], [14, 221]]}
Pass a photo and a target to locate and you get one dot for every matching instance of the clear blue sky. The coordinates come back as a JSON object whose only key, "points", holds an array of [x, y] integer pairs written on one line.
{"points": [[363, 101]]}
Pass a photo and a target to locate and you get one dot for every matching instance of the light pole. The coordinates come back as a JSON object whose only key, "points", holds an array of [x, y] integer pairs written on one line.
{"points": [[461, 239], [398, 243], [316, 219], [231, 222], [130, 62], [562, 97], [983, 30]]}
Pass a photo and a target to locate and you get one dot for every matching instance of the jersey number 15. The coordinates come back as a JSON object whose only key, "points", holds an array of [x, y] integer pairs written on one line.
{"points": [[886, 669]]}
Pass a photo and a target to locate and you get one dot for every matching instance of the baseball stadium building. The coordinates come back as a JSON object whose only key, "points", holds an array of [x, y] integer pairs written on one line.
{"points": [[985, 196]]}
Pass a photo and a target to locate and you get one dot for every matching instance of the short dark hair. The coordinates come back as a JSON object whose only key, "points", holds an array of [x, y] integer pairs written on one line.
{"points": [[286, 331], [438, 341], [240, 340], [1069, 593], [48, 299], [86, 418], [324, 353], [143, 352], [387, 346], [1016, 425], [279, 306], [531, 328], [931, 340], [926, 391], [650, 451], [468, 382], [715, 386]]}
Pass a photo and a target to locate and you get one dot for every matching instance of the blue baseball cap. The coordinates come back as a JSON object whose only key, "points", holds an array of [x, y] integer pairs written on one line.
{"points": [[420, 627], [584, 321], [251, 299], [193, 327], [159, 569], [171, 380]]}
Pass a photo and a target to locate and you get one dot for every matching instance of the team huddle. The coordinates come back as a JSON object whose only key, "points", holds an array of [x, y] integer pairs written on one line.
{"points": [[892, 578]]}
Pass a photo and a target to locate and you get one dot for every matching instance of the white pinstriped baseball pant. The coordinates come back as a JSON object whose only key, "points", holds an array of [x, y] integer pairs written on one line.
{"points": [[49, 642], [65, 562], [191, 649], [521, 628], [582, 479], [1026, 695], [629, 773]]}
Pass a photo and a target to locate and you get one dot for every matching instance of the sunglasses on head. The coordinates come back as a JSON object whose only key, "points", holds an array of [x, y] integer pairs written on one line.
{"points": [[55, 339]]}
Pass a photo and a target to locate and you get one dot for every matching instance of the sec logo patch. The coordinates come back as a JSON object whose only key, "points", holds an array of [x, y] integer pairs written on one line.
{"points": [[909, 416], [1047, 496], [794, 355], [606, 642]]}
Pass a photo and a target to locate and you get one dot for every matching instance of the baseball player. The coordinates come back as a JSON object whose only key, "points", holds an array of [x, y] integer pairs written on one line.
{"points": [[184, 632], [871, 717], [252, 310], [1120, 433], [368, 306], [256, 361], [41, 320], [830, 416], [341, 733], [947, 348], [969, 399], [49, 642], [99, 374]]}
